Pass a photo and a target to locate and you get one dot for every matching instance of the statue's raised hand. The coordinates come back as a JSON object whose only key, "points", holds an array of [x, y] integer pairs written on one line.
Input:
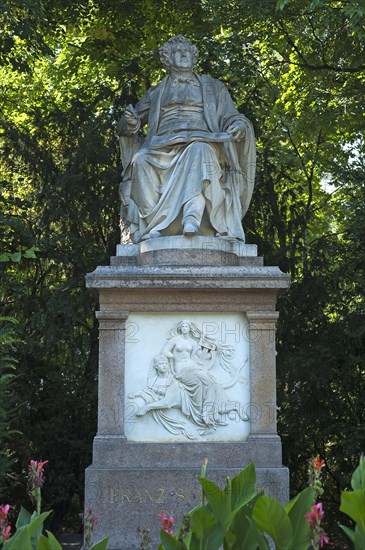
{"points": [[132, 119]]}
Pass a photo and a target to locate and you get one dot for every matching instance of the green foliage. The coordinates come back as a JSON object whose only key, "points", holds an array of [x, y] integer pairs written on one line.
{"points": [[67, 69], [238, 517], [8, 341], [28, 534], [353, 505]]}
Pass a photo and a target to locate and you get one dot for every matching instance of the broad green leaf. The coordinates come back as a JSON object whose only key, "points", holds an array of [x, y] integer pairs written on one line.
{"points": [[229, 540], [242, 487], [271, 518], [280, 4], [359, 541], [16, 256], [23, 518], [202, 521], [21, 541], [43, 543], [349, 532], [30, 254], [218, 500], [246, 531], [206, 532], [296, 510], [169, 542], [353, 504], [50, 543], [37, 521], [358, 477], [102, 545], [213, 541]]}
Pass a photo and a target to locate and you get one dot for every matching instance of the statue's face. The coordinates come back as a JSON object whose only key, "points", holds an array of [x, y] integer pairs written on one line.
{"points": [[185, 327], [181, 57], [161, 366]]}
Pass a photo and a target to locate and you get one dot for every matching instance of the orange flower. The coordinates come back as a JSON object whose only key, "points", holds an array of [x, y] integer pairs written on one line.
{"points": [[317, 464]]}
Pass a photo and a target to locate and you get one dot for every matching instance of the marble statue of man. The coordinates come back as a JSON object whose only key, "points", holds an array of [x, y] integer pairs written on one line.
{"points": [[194, 172]]}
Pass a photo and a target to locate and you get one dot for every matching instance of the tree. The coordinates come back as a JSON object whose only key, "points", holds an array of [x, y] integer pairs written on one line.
{"points": [[294, 68]]}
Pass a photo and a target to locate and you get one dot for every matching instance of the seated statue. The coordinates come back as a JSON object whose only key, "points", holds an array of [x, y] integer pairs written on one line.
{"points": [[194, 172]]}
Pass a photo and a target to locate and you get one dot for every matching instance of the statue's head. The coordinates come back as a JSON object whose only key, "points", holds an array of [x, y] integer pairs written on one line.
{"points": [[184, 327], [161, 364], [178, 53]]}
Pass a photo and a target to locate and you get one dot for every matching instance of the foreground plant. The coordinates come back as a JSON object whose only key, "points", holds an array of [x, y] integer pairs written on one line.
{"points": [[36, 482], [29, 527], [353, 505], [315, 475], [318, 537], [89, 521], [4, 526], [240, 518]]}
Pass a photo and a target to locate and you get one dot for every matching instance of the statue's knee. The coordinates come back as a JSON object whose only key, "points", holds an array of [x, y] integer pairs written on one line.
{"points": [[139, 159]]}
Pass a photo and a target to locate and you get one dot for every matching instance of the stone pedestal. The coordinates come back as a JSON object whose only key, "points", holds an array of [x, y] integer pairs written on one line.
{"points": [[144, 464]]}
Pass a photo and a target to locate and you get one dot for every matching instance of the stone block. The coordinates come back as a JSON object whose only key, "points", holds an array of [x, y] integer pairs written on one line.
{"points": [[151, 440]]}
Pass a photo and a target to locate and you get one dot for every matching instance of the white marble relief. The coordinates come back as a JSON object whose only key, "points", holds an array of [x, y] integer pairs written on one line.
{"points": [[194, 386]]}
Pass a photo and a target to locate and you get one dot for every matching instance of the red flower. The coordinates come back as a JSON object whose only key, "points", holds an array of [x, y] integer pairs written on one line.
{"points": [[317, 464], [4, 509], [36, 473], [323, 539], [4, 527], [315, 517], [6, 533], [167, 523]]}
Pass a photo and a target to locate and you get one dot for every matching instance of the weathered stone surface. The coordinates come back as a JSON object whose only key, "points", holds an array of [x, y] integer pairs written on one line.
{"points": [[184, 251], [130, 482], [125, 499]]}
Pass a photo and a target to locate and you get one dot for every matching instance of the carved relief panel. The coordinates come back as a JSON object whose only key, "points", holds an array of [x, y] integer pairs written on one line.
{"points": [[187, 377]]}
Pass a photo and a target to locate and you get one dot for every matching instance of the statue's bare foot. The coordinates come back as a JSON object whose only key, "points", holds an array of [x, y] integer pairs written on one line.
{"points": [[142, 411], [207, 431]]}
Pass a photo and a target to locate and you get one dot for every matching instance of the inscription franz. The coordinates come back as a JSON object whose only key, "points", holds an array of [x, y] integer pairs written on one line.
{"points": [[161, 495]]}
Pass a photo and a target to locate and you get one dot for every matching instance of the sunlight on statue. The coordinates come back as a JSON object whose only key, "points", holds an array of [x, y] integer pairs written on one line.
{"points": [[194, 172]]}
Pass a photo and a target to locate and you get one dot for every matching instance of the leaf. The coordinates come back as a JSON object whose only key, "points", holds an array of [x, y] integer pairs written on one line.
{"points": [[102, 545], [246, 531], [23, 518], [5, 257], [359, 541], [280, 4], [353, 504], [218, 500], [16, 256], [29, 253], [21, 540], [169, 542], [358, 477], [296, 510], [242, 488], [271, 518], [349, 532], [37, 521], [50, 543]]}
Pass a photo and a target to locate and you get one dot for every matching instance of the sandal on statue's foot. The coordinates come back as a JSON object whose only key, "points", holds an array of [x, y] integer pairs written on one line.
{"points": [[191, 229]]}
